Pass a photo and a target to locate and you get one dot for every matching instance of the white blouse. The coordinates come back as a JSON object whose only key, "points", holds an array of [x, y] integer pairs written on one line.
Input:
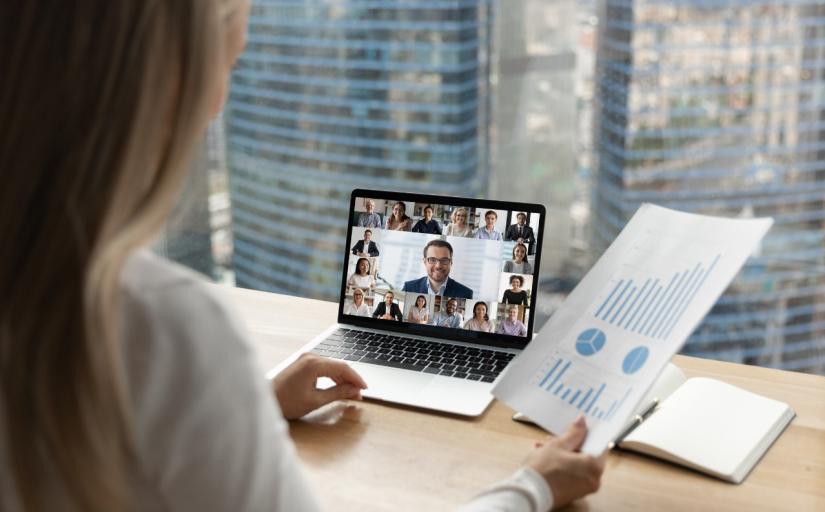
{"points": [[358, 281], [453, 230], [362, 310]]}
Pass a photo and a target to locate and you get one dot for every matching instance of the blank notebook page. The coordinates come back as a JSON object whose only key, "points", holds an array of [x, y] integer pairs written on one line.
{"points": [[711, 424]]}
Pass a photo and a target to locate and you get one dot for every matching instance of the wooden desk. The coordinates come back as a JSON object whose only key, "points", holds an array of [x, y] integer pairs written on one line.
{"points": [[373, 456]]}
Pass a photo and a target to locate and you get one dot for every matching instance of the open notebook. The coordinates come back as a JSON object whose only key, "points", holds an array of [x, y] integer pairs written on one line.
{"points": [[704, 424]]}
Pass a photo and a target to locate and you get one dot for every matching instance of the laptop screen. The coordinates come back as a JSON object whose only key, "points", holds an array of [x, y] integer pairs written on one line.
{"points": [[457, 268]]}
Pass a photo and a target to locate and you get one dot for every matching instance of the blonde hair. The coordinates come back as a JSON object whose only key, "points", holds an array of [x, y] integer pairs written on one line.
{"points": [[456, 212], [94, 144]]}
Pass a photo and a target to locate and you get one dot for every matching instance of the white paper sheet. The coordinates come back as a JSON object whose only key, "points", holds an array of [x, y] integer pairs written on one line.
{"points": [[605, 346]]}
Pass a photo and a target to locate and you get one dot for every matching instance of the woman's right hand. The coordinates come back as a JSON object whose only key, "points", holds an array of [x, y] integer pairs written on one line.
{"points": [[569, 473]]}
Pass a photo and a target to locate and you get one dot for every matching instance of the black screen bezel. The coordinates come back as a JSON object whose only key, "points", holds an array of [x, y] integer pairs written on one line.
{"points": [[492, 339]]}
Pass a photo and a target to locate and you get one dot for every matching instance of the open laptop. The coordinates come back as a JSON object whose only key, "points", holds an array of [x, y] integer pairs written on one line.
{"points": [[429, 312]]}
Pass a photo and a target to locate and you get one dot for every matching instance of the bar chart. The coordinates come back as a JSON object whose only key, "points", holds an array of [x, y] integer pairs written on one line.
{"points": [[559, 378], [652, 306]]}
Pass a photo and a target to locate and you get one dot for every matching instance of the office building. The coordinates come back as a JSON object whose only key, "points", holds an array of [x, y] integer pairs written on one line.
{"points": [[717, 107], [332, 96]]}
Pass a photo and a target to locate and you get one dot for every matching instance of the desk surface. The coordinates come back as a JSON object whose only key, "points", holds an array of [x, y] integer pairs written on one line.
{"points": [[373, 456]]}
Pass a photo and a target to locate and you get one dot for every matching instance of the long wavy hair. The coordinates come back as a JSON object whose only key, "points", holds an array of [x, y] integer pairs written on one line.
{"points": [[101, 103]]}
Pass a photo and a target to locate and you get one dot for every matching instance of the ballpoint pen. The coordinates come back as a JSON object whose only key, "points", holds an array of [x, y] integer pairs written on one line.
{"points": [[637, 420]]}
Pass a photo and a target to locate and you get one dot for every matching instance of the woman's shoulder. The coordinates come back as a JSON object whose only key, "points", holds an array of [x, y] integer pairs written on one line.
{"points": [[172, 310]]}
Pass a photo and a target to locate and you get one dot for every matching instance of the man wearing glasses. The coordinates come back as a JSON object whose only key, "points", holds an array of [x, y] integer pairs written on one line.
{"points": [[438, 260]]}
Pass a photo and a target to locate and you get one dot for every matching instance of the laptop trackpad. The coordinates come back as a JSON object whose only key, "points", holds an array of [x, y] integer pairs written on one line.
{"points": [[391, 384]]}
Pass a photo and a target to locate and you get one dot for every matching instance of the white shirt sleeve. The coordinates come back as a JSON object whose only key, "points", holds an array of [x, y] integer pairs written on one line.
{"points": [[209, 433], [524, 491]]}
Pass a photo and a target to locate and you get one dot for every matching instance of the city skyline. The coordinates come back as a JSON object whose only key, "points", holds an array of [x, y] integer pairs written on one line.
{"points": [[705, 108], [329, 97]]}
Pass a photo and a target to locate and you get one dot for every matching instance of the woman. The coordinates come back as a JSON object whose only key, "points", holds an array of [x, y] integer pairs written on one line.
{"points": [[519, 264], [511, 325], [398, 220], [515, 295], [458, 224], [358, 306], [418, 314], [128, 396], [480, 320], [488, 231], [362, 278]]}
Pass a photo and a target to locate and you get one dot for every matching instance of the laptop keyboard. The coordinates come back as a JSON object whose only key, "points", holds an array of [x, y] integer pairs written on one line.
{"points": [[415, 355]]}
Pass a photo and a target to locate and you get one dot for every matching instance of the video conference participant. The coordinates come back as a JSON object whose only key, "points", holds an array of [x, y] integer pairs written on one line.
{"points": [[358, 306], [388, 310], [515, 295], [521, 232], [427, 224], [365, 247], [519, 264], [512, 325], [438, 260], [488, 231], [449, 316], [458, 224], [480, 320], [418, 313], [398, 220], [362, 278], [370, 219]]}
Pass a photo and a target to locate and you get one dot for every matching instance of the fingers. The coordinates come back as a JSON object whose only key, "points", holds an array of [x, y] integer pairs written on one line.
{"points": [[574, 437], [340, 392], [340, 372]]}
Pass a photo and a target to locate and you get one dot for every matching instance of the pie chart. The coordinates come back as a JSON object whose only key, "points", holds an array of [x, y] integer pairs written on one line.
{"points": [[590, 341], [635, 359]]}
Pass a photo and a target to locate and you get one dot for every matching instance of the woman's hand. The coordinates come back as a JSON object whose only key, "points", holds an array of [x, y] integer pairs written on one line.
{"points": [[295, 387], [569, 474]]}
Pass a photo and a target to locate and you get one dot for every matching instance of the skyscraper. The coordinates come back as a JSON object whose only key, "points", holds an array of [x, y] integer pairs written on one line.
{"points": [[717, 107], [330, 96]]}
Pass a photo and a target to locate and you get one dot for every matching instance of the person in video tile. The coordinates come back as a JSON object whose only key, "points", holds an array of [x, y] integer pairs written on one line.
{"points": [[362, 278], [515, 295], [365, 247], [481, 320], [370, 219], [512, 325], [519, 263], [521, 232], [358, 306], [458, 225], [427, 224], [449, 316], [388, 310], [418, 313], [488, 231], [398, 220], [438, 260]]}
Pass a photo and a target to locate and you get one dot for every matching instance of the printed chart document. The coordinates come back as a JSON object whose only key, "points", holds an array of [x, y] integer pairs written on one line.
{"points": [[604, 347]]}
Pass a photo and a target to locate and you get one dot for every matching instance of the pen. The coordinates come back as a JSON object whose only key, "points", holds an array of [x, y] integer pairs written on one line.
{"points": [[637, 420]]}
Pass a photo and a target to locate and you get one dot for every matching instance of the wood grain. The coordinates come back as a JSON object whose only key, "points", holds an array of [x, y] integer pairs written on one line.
{"points": [[374, 456]]}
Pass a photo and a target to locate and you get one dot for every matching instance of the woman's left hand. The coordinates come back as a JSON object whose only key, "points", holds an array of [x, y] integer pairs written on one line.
{"points": [[295, 387]]}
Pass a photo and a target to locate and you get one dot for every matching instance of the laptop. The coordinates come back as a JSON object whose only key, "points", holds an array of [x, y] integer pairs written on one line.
{"points": [[437, 296]]}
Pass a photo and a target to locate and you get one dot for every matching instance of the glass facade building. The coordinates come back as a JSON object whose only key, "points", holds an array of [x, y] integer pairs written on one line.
{"points": [[718, 107], [330, 96]]}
